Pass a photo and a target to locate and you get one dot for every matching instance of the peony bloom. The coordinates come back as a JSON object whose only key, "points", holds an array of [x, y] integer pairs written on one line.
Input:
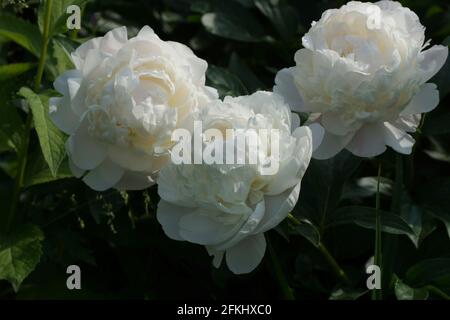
{"points": [[362, 75], [228, 207], [121, 104]]}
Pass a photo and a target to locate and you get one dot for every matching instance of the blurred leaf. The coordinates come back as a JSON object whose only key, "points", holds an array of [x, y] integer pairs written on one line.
{"points": [[14, 69], [307, 230], [365, 217], [233, 21], [430, 272], [438, 151], [11, 127], [434, 198], [238, 67], [322, 187], [347, 294], [20, 252], [52, 140], [412, 214], [226, 83], [283, 17], [405, 292], [367, 187], [23, 33]]}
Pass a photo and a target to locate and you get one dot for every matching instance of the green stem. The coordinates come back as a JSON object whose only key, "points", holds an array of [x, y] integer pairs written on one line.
{"points": [[333, 264], [326, 254], [42, 56], [377, 293], [398, 186], [23, 153], [390, 242], [275, 268]]}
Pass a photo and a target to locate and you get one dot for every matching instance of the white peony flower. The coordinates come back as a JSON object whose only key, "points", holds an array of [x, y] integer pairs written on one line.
{"points": [[362, 75], [228, 207], [121, 104]]}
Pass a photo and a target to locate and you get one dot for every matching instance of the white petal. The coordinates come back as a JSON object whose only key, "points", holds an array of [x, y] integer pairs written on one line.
{"points": [[62, 115], [80, 53], [203, 227], [333, 123], [318, 133], [285, 86], [197, 66], [247, 228], [130, 159], [291, 171], [169, 215], [104, 177], [331, 145], [146, 32], [408, 123], [368, 141], [295, 121], [398, 139], [76, 172], [432, 60], [85, 151], [246, 255], [60, 83], [424, 101], [218, 255], [277, 208]]}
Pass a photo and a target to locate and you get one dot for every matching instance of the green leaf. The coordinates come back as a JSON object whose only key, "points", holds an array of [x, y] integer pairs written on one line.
{"points": [[52, 140], [322, 187], [61, 57], [233, 21], [11, 127], [20, 252], [238, 67], [38, 171], [226, 83], [405, 292], [367, 187], [347, 294], [307, 230], [23, 33], [434, 198], [12, 70], [58, 15], [430, 272], [283, 17], [365, 217], [412, 214]]}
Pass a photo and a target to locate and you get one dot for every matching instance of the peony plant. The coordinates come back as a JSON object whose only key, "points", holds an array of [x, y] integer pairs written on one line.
{"points": [[228, 207], [362, 75], [121, 104]]}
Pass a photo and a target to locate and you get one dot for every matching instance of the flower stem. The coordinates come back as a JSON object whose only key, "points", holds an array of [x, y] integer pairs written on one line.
{"points": [[377, 293], [275, 268], [328, 257], [23, 152], [333, 264]]}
